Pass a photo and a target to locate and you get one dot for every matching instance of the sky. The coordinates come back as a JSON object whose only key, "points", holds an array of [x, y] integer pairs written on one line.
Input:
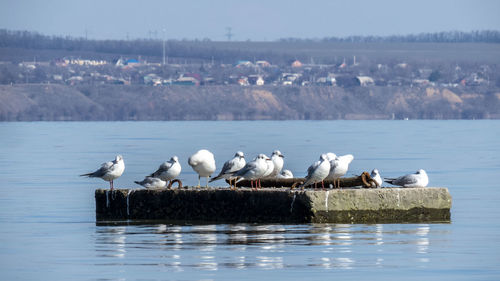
{"points": [[255, 20]]}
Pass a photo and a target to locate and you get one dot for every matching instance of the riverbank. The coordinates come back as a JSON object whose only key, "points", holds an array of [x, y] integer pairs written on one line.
{"points": [[51, 102]]}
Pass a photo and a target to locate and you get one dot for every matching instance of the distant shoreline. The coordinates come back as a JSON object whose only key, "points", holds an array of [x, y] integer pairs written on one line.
{"points": [[52, 102]]}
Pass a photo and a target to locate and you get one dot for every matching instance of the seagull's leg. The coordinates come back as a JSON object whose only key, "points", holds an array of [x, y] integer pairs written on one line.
{"points": [[207, 182], [322, 185], [199, 182], [315, 185], [111, 185], [260, 186]]}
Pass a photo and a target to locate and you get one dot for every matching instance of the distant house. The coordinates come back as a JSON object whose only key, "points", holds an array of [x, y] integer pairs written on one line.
{"points": [[296, 63], [132, 62], [365, 81], [255, 80], [243, 81], [186, 81], [262, 63], [421, 82], [290, 76], [244, 63], [153, 79]]}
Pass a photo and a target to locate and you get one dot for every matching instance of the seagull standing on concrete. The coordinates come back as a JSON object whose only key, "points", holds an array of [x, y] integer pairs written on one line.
{"points": [[109, 171], [338, 168], [418, 179], [230, 167], [169, 170], [375, 175], [317, 172], [278, 162], [203, 163], [152, 182], [270, 167], [253, 170], [285, 174]]}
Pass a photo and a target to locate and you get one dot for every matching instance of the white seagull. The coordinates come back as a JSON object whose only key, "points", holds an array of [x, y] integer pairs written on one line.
{"points": [[270, 167], [375, 175], [109, 171], [152, 182], [418, 179], [203, 163], [317, 172], [286, 174], [169, 170], [230, 167], [338, 168], [253, 170], [278, 162]]}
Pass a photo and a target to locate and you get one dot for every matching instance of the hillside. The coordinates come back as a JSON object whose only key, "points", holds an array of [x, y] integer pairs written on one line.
{"points": [[48, 102]]}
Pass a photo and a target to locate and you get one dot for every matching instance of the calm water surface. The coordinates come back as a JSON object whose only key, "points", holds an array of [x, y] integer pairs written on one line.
{"points": [[47, 213]]}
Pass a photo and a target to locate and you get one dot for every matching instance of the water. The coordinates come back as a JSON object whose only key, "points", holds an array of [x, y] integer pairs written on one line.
{"points": [[47, 213]]}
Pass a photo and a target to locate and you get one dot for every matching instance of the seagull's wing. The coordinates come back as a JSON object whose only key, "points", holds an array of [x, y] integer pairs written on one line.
{"points": [[163, 168], [249, 166], [228, 165], [105, 168]]}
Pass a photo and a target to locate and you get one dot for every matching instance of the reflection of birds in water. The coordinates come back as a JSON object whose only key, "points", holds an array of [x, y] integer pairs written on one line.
{"points": [[230, 167], [151, 182], [285, 174], [418, 179], [109, 171], [169, 170], [338, 168], [203, 163], [253, 170], [317, 172], [375, 175]]}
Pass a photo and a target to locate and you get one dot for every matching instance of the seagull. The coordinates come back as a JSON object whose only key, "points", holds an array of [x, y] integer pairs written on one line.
{"points": [[331, 156], [253, 170], [317, 172], [152, 182], [277, 159], [169, 170], [375, 175], [230, 167], [285, 174], [418, 179], [270, 167], [338, 168], [109, 171], [203, 163]]}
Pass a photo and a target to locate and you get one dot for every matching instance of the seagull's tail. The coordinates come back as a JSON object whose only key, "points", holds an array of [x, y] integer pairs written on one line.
{"points": [[87, 175], [389, 180], [215, 178], [138, 182]]}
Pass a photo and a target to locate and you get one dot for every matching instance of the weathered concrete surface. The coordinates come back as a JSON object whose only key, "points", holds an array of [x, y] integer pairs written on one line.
{"points": [[276, 205]]}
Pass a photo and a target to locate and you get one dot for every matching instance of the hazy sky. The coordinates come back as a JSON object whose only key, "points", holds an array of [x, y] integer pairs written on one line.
{"points": [[256, 20]]}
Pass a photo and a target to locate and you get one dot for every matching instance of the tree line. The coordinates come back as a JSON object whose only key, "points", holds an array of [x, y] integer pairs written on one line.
{"points": [[478, 36], [206, 50]]}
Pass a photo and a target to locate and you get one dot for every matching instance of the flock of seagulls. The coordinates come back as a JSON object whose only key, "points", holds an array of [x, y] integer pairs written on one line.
{"points": [[328, 167]]}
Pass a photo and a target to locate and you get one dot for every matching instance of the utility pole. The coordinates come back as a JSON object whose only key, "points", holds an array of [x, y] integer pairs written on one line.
{"points": [[164, 31], [229, 34]]}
